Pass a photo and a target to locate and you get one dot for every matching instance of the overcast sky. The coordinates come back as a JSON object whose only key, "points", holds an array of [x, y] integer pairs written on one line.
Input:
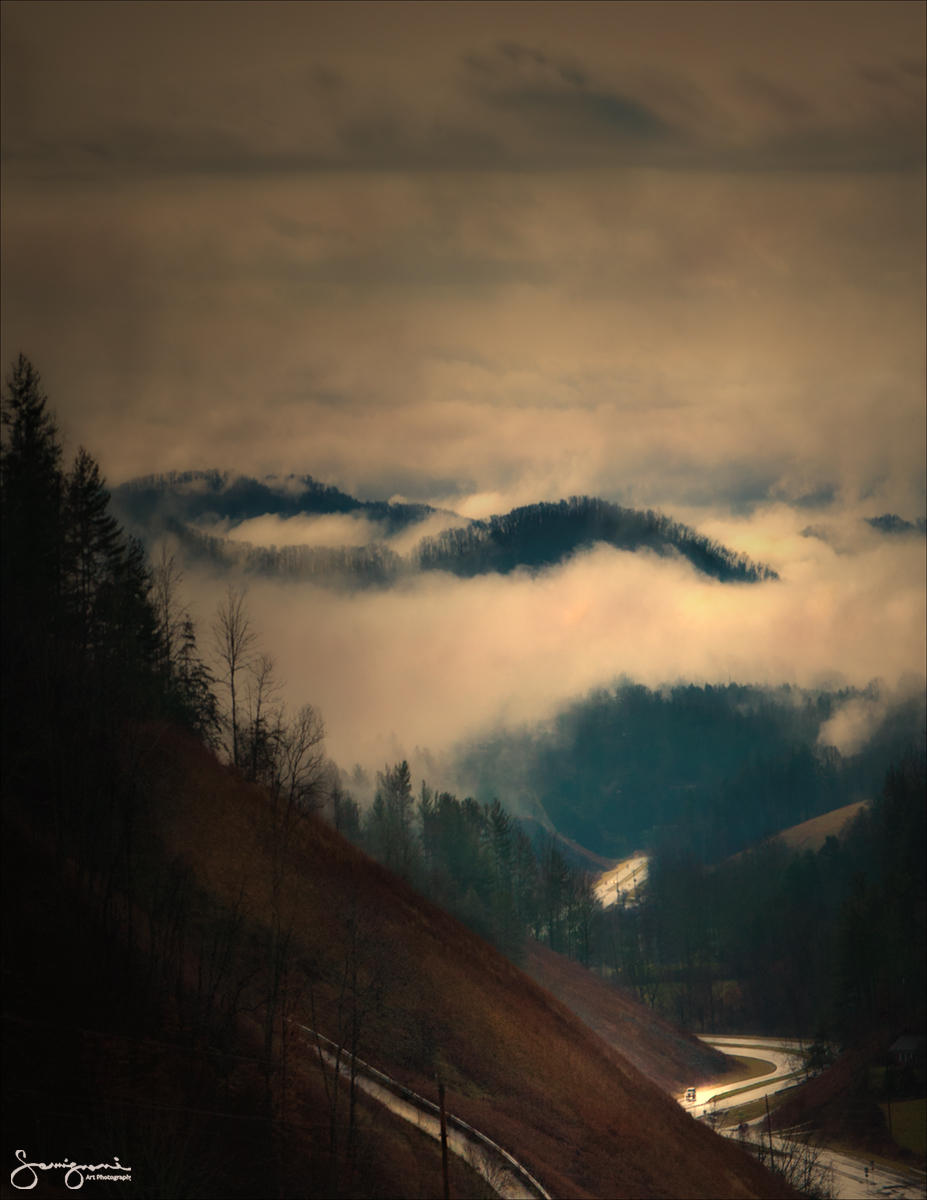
{"points": [[482, 254]]}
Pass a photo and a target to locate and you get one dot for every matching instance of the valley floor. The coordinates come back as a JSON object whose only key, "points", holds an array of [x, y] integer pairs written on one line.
{"points": [[845, 1175]]}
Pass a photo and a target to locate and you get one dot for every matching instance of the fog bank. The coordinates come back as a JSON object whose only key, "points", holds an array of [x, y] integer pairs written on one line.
{"points": [[439, 658]]}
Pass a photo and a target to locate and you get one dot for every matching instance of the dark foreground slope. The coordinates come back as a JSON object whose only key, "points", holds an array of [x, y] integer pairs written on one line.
{"points": [[173, 997]]}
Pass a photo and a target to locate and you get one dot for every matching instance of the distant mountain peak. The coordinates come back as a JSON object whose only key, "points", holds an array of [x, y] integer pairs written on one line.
{"points": [[892, 523], [540, 535]]}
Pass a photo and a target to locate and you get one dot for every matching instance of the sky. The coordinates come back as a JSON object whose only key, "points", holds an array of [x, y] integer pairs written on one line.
{"points": [[671, 254]]}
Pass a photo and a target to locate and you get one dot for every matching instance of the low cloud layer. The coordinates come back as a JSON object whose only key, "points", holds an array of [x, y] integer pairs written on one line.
{"points": [[337, 529], [667, 255], [485, 255], [440, 658], [334, 529]]}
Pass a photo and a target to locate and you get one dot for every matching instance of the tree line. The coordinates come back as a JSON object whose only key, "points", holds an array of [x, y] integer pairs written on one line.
{"points": [[531, 537], [348, 567], [101, 670], [476, 861], [540, 535], [92, 636], [217, 495], [100, 653], [717, 767], [826, 942]]}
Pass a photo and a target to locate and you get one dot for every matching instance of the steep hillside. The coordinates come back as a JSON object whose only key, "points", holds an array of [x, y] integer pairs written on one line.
{"points": [[669, 1057], [811, 835], [160, 1017], [431, 998]]}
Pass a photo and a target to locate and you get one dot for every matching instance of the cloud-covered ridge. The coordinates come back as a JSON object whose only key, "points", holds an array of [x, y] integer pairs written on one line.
{"points": [[301, 529]]}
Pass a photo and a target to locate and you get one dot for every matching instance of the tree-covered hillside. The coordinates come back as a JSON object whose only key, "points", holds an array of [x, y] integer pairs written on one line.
{"points": [[374, 565], [531, 538], [714, 767], [218, 495], [827, 942], [91, 637], [539, 535], [176, 927]]}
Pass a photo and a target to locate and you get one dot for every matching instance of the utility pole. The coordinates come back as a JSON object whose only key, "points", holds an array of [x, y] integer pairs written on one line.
{"points": [[769, 1128], [447, 1185]]}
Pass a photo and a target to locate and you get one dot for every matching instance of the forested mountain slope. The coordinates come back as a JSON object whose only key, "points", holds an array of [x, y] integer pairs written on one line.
{"points": [[714, 768], [539, 535], [193, 495], [192, 505], [168, 923], [434, 998]]}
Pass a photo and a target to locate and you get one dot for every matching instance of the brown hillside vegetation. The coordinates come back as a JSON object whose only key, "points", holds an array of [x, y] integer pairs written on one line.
{"points": [[811, 835], [143, 1023], [841, 1104], [87, 1076], [517, 1064], [668, 1056]]}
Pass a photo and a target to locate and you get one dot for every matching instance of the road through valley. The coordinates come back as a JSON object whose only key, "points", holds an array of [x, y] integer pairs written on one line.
{"points": [[504, 1174], [847, 1177]]}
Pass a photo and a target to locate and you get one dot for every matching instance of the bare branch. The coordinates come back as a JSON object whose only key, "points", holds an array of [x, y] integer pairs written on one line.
{"points": [[234, 642]]}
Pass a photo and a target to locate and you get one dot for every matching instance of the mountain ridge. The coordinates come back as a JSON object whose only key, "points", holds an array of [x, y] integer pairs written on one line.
{"points": [[529, 538]]}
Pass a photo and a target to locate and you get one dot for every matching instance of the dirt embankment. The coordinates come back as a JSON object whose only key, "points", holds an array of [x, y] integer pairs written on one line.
{"points": [[668, 1056], [425, 997]]}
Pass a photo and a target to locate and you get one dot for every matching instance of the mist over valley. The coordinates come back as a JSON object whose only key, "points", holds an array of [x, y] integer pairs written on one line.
{"points": [[406, 652], [463, 598]]}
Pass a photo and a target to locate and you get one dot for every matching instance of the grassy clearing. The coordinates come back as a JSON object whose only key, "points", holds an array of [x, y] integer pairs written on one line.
{"points": [[747, 1068], [745, 1112], [909, 1124], [811, 835]]}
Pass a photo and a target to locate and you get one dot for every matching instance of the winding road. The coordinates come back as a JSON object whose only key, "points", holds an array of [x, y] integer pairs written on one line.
{"points": [[782, 1054], [848, 1178], [504, 1174], [622, 880]]}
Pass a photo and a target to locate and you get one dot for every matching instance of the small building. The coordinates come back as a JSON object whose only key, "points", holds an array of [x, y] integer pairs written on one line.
{"points": [[909, 1050]]}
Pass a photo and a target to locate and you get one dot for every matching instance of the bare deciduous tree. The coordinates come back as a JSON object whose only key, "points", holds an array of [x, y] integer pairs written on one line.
{"points": [[264, 719], [234, 642], [301, 766], [166, 578]]}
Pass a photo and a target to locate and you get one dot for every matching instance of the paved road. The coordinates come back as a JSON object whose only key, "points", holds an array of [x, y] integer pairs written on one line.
{"points": [[848, 1177], [626, 878], [504, 1174], [780, 1053], [855, 1179]]}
